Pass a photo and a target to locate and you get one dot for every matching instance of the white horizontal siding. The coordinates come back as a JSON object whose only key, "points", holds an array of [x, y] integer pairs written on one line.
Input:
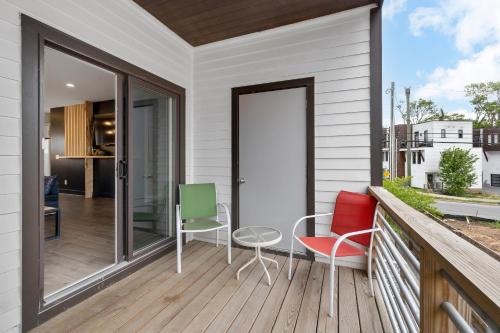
{"points": [[118, 27], [335, 50]]}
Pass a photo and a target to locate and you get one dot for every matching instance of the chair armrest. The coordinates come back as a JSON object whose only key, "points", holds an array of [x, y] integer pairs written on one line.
{"points": [[306, 218], [226, 211], [350, 234]]}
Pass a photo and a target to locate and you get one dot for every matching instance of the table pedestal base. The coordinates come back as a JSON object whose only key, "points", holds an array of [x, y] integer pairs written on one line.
{"points": [[258, 256]]}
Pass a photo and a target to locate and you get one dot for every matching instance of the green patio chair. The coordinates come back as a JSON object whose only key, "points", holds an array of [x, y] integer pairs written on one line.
{"points": [[197, 212]]}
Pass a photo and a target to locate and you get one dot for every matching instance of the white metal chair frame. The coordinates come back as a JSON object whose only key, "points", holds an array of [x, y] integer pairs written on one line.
{"points": [[181, 231], [334, 252]]}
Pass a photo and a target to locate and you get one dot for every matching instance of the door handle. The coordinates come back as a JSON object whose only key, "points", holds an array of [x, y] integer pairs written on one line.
{"points": [[241, 181], [122, 169]]}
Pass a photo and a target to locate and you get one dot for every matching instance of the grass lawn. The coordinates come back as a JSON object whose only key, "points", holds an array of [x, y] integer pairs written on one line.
{"points": [[468, 197], [482, 195]]}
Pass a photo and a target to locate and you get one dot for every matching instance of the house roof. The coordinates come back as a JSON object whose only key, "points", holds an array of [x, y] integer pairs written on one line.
{"points": [[201, 21]]}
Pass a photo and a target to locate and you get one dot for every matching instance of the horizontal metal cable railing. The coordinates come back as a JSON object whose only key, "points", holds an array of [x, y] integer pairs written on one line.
{"points": [[398, 279], [430, 279]]}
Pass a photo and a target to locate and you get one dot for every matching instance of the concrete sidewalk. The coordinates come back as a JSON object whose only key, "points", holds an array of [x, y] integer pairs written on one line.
{"points": [[463, 199], [490, 212]]}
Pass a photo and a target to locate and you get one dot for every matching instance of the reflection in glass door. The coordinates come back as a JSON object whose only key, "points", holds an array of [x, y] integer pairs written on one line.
{"points": [[79, 149], [151, 171]]}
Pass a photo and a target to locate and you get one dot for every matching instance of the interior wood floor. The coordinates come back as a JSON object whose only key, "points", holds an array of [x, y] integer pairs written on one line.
{"points": [[87, 242], [206, 297]]}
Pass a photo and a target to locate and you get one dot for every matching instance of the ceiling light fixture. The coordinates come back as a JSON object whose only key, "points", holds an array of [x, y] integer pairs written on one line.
{"points": [[70, 85]]}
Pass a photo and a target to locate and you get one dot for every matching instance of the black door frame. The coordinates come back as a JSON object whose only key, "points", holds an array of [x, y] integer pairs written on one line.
{"points": [[307, 83], [35, 36]]}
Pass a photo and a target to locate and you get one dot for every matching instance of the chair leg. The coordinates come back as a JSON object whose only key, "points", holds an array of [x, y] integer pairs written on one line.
{"points": [[228, 246], [370, 278], [179, 250], [290, 262], [332, 290]]}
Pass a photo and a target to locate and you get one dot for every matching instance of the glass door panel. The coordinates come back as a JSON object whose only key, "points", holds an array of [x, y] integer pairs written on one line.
{"points": [[151, 171], [81, 194]]}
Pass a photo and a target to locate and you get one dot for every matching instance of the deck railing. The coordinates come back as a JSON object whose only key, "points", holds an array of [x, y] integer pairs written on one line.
{"points": [[430, 279]]}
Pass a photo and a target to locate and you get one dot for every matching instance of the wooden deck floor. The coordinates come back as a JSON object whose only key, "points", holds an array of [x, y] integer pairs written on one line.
{"points": [[206, 297]]}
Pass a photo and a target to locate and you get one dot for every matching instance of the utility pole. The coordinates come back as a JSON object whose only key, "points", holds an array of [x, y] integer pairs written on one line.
{"points": [[408, 134], [498, 101], [392, 137]]}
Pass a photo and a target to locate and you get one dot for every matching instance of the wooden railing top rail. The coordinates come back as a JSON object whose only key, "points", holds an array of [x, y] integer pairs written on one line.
{"points": [[476, 272]]}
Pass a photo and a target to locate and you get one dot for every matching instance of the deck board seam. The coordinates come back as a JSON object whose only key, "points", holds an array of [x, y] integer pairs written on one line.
{"points": [[193, 283], [220, 275], [199, 277], [321, 297], [356, 299], [269, 292], [263, 304], [302, 298], [252, 267], [250, 295]]}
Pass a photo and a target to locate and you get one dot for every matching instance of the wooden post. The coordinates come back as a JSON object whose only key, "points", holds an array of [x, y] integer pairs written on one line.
{"points": [[433, 292], [89, 177], [89, 115]]}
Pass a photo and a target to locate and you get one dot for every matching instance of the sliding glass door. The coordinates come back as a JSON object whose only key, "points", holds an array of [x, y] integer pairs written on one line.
{"points": [[152, 134]]}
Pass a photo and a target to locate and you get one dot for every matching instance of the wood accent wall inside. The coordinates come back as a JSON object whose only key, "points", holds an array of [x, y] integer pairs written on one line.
{"points": [[77, 133]]}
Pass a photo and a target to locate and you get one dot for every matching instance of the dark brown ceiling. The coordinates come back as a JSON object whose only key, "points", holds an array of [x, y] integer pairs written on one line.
{"points": [[205, 21]]}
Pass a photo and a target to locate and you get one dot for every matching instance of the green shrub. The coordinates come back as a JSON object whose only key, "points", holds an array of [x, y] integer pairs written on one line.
{"points": [[400, 187], [456, 170]]}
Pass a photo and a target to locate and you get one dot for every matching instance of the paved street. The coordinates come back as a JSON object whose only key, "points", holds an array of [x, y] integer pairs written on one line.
{"points": [[491, 212]]}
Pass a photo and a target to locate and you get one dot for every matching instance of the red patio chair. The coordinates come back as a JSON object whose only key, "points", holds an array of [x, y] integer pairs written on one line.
{"points": [[353, 219]]}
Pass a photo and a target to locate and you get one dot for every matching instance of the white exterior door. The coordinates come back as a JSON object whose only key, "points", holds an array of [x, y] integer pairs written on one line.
{"points": [[272, 161]]}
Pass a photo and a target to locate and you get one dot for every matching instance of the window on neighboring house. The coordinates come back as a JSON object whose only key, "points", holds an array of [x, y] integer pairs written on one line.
{"points": [[460, 134], [415, 139], [497, 138], [443, 133], [420, 157], [426, 136], [414, 157]]}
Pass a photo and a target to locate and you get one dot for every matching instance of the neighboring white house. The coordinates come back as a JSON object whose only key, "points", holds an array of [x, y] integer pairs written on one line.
{"points": [[429, 140], [489, 141], [491, 168]]}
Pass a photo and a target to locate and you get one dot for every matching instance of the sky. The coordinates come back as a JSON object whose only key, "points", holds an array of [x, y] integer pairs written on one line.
{"points": [[436, 47]]}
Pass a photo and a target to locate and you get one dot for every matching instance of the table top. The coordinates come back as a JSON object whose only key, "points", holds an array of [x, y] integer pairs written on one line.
{"points": [[254, 236]]}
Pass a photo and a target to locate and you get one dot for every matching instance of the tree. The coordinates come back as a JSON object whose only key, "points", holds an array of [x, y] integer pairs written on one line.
{"points": [[456, 170], [446, 116], [486, 104], [420, 110]]}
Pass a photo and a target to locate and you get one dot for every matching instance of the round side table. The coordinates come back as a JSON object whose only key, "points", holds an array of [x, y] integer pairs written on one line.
{"points": [[257, 237]]}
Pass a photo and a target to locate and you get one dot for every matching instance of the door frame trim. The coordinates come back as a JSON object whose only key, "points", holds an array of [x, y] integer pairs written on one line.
{"points": [[307, 83], [35, 36]]}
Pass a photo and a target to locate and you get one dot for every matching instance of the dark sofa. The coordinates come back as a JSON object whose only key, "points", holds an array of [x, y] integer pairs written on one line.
{"points": [[51, 191]]}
